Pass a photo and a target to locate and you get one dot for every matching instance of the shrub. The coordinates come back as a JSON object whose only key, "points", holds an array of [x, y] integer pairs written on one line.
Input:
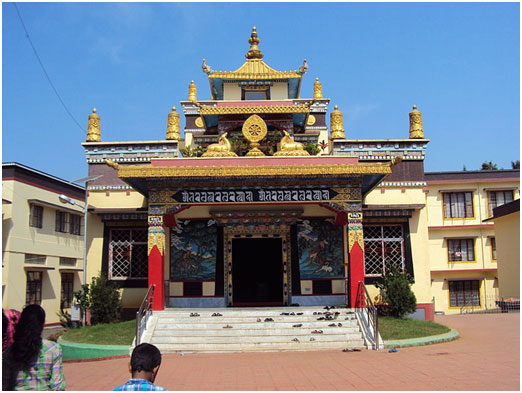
{"points": [[396, 293], [104, 298], [312, 149]]}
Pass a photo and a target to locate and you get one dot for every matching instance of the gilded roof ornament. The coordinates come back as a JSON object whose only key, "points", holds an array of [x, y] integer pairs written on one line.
{"points": [[221, 149], [416, 130], [336, 124], [112, 164], [93, 127], [192, 93], [254, 130], [302, 69], [206, 68], [289, 147], [318, 89], [173, 125], [254, 52]]}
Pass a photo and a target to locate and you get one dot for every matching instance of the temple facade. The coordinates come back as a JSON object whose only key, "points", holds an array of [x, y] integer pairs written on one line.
{"points": [[257, 202]]}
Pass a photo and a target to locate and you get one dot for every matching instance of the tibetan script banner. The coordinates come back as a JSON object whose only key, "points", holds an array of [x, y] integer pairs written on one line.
{"points": [[255, 195]]}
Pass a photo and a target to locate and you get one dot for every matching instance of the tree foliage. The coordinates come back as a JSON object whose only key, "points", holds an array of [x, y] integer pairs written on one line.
{"points": [[101, 298], [489, 166], [396, 293], [515, 164]]}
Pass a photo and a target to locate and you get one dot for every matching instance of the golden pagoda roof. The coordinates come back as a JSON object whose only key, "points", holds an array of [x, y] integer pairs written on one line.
{"points": [[254, 67]]}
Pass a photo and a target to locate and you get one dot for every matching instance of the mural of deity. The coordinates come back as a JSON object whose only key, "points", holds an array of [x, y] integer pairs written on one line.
{"points": [[320, 249], [193, 251]]}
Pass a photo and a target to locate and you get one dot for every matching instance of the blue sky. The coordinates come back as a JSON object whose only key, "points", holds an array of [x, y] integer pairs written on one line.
{"points": [[458, 62]]}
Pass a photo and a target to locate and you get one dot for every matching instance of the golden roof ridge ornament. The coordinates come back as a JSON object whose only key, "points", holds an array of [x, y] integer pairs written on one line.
{"points": [[336, 124], [93, 127], [318, 89], [416, 129], [192, 93], [173, 125], [254, 52]]}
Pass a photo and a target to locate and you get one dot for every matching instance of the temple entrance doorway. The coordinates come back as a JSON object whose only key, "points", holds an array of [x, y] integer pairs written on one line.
{"points": [[257, 271]]}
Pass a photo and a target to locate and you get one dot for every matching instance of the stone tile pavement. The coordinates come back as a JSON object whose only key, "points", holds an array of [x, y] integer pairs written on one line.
{"points": [[485, 357]]}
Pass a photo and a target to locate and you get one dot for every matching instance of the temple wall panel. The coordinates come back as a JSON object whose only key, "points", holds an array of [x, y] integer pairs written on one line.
{"points": [[418, 226], [396, 196], [116, 199], [279, 91], [231, 91]]}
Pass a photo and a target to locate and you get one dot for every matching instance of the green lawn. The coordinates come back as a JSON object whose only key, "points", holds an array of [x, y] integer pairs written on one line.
{"points": [[121, 333], [399, 329]]}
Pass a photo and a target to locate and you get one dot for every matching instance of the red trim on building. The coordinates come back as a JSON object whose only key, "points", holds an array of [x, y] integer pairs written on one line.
{"points": [[474, 226], [464, 271], [249, 161]]}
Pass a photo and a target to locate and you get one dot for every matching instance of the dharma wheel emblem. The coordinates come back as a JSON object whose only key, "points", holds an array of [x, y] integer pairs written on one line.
{"points": [[254, 130]]}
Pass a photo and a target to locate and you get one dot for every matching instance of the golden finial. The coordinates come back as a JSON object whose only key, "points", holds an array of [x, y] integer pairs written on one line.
{"points": [[336, 124], [192, 94], [93, 127], [173, 125], [318, 89], [254, 52], [416, 130]]}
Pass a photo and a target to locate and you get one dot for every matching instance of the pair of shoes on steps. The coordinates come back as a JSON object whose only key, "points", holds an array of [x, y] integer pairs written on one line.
{"points": [[216, 314], [194, 314], [317, 331], [227, 327], [269, 320], [298, 325]]}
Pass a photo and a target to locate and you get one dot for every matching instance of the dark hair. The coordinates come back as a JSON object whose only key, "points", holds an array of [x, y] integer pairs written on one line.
{"points": [[145, 357], [27, 339], [27, 342]]}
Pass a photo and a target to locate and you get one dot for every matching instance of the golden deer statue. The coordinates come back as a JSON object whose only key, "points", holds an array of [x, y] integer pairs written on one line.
{"points": [[289, 147], [220, 149]]}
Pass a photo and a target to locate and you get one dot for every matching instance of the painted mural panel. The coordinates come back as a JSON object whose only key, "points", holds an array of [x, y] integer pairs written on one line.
{"points": [[193, 250], [320, 249]]}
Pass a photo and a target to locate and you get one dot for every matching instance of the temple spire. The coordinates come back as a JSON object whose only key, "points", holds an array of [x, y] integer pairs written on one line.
{"points": [[416, 129], [254, 52], [336, 124], [93, 127], [192, 94], [173, 125], [318, 89]]}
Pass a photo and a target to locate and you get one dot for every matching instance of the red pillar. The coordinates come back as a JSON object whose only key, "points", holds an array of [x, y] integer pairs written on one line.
{"points": [[156, 278], [156, 250], [356, 272]]}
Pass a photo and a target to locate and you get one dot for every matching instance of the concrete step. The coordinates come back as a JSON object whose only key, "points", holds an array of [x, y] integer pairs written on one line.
{"points": [[174, 330]]}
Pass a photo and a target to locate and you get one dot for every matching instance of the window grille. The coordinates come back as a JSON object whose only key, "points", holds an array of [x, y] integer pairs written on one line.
{"points": [[33, 293], [35, 216], [128, 257], [464, 293], [493, 249], [497, 198], [383, 246], [61, 221], [461, 250], [75, 226], [35, 259], [65, 261], [458, 204], [67, 290]]}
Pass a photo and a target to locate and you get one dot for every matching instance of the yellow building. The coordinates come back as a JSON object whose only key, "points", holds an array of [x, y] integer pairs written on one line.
{"points": [[507, 239], [42, 240], [462, 246]]}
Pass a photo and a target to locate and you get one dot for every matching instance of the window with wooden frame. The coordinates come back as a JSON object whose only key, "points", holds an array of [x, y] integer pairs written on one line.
{"points": [[33, 294], [498, 198], [464, 293], [67, 290], [75, 224], [493, 248], [35, 216], [255, 93], [61, 221], [458, 204], [128, 257], [461, 250]]}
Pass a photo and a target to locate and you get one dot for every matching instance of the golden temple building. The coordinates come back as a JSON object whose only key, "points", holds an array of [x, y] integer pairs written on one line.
{"points": [[257, 202]]}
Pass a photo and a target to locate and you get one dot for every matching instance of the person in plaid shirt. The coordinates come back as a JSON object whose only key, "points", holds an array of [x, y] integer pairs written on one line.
{"points": [[32, 363], [143, 366]]}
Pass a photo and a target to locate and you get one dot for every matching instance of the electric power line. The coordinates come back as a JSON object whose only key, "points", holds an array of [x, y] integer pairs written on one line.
{"points": [[43, 69]]}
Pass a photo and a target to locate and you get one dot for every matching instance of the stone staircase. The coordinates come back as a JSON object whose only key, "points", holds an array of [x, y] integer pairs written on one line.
{"points": [[250, 329]]}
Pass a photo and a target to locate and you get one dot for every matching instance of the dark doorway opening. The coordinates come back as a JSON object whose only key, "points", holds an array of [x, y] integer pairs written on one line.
{"points": [[257, 271]]}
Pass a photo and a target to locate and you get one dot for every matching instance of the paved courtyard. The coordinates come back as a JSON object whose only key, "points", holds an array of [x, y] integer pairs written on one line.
{"points": [[485, 357]]}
